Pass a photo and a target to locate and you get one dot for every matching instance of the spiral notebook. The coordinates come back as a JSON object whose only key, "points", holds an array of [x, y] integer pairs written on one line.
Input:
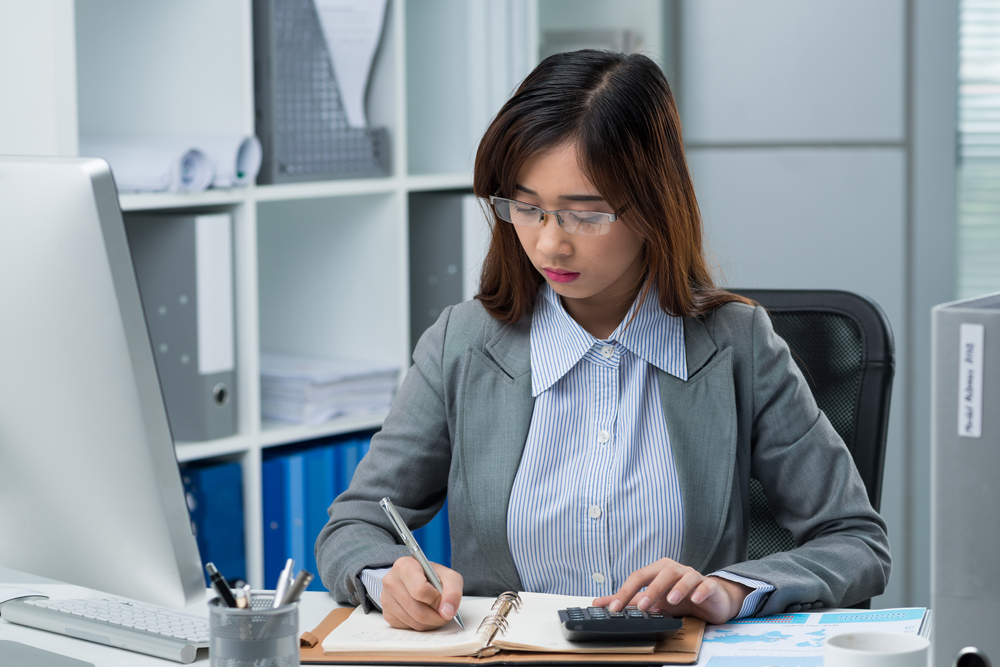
{"points": [[521, 628]]}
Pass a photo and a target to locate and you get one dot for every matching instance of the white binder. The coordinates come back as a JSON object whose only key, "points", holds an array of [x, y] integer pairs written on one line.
{"points": [[965, 494]]}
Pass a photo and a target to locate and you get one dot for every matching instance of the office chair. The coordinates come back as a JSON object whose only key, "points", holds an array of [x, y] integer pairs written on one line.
{"points": [[843, 344]]}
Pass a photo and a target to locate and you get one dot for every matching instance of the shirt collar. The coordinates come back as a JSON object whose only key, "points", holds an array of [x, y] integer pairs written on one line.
{"points": [[558, 342]]}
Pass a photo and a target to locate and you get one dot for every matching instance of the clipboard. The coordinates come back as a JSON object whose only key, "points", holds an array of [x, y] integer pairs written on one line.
{"points": [[681, 649]]}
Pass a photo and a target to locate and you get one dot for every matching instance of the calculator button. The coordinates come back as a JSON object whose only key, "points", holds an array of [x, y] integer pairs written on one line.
{"points": [[598, 612]]}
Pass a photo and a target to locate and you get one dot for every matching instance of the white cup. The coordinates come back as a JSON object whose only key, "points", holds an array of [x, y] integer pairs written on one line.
{"points": [[875, 649]]}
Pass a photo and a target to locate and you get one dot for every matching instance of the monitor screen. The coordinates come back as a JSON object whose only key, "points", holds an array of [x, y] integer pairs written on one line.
{"points": [[90, 491]]}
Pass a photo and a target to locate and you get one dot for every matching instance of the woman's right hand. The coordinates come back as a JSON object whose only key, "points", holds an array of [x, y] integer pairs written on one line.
{"points": [[410, 601]]}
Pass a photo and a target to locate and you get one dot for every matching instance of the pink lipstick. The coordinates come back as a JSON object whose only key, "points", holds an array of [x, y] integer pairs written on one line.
{"points": [[560, 276]]}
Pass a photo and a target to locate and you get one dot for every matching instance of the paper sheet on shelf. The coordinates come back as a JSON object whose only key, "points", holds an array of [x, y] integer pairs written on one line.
{"points": [[352, 29]]}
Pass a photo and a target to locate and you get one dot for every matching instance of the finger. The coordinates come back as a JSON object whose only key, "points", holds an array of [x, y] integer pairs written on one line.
{"points": [[451, 590], [397, 616], [602, 601], [402, 611], [683, 587], [627, 594], [660, 586], [415, 582], [409, 598], [706, 591]]}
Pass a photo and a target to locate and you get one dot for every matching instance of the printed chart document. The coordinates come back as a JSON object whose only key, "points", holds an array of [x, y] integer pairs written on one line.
{"points": [[796, 640]]}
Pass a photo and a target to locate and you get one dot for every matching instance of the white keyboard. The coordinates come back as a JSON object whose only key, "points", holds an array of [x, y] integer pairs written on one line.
{"points": [[133, 626]]}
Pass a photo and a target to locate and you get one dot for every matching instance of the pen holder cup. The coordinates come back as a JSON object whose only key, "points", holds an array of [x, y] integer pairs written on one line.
{"points": [[256, 637]]}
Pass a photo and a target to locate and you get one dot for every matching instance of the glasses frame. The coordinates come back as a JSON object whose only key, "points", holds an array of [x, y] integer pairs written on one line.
{"points": [[559, 219]]}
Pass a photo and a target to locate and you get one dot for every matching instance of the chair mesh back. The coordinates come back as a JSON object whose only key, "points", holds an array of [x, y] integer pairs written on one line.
{"points": [[829, 349]]}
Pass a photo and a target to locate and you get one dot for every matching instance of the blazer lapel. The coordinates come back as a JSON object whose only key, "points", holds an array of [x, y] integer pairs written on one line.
{"points": [[701, 422], [493, 429]]}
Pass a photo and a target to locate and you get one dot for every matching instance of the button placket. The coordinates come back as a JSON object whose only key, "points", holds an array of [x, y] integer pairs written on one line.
{"points": [[607, 370]]}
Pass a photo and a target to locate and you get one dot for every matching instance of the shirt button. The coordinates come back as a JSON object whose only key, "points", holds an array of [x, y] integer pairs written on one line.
{"points": [[597, 577], [603, 436], [607, 351], [594, 511]]}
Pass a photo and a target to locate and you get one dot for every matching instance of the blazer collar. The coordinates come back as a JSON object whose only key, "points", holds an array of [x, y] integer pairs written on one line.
{"points": [[698, 344], [510, 347]]}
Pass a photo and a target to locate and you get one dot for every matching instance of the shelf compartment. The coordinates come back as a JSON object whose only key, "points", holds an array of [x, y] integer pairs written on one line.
{"points": [[332, 277]]}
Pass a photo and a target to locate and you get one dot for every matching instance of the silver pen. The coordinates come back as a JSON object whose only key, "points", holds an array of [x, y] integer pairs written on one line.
{"points": [[283, 580], [411, 544]]}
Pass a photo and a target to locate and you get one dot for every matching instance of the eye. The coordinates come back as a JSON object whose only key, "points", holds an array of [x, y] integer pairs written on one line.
{"points": [[586, 217]]}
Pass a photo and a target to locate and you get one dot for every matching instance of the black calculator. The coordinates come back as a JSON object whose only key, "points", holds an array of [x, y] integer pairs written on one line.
{"points": [[597, 624]]}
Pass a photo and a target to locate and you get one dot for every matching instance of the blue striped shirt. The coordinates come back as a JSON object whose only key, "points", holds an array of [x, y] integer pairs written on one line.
{"points": [[596, 495]]}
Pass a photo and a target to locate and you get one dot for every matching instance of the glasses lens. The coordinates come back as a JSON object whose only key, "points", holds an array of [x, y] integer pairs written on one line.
{"points": [[516, 212], [585, 223]]}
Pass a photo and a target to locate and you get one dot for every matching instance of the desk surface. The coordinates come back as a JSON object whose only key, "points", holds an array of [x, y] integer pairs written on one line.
{"points": [[313, 608]]}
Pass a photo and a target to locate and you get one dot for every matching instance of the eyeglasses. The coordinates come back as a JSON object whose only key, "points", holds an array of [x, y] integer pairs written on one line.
{"points": [[585, 223]]}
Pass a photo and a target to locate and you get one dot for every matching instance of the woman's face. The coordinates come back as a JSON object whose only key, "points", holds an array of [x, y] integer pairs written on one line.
{"points": [[588, 272]]}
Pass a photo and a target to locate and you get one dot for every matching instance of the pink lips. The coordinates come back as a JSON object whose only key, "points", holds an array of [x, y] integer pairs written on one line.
{"points": [[560, 276]]}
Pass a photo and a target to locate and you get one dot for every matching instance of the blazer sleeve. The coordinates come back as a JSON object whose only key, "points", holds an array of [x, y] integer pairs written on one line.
{"points": [[813, 489], [408, 461]]}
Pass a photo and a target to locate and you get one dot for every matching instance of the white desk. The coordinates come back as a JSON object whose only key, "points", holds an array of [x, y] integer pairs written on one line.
{"points": [[313, 607]]}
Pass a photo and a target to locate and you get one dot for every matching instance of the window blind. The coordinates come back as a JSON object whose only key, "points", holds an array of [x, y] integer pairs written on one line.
{"points": [[979, 148]]}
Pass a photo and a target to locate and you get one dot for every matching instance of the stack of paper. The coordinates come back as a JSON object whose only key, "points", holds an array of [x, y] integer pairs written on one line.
{"points": [[311, 390]]}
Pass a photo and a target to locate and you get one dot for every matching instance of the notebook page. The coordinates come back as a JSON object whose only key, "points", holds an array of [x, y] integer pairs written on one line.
{"points": [[535, 627], [370, 633]]}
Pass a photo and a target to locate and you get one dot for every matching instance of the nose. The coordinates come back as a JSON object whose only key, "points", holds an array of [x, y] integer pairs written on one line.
{"points": [[552, 238]]}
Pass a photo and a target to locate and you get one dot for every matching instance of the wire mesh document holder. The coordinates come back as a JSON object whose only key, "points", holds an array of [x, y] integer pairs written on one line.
{"points": [[300, 116]]}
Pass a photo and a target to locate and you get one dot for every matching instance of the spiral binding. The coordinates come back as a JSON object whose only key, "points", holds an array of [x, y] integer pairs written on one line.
{"points": [[497, 622]]}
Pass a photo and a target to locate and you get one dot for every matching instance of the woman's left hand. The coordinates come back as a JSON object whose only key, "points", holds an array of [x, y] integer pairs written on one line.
{"points": [[680, 591]]}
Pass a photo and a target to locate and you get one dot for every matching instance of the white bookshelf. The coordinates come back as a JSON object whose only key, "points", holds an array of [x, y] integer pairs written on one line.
{"points": [[320, 267]]}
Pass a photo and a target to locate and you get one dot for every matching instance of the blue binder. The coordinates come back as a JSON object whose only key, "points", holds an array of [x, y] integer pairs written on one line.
{"points": [[320, 473], [295, 494], [273, 481], [298, 488], [215, 501]]}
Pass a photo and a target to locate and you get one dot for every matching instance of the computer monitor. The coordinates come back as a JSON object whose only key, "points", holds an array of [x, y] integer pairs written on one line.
{"points": [[90, 491]]}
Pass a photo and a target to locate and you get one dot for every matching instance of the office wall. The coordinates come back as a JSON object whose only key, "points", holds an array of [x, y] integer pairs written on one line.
{"points": [[38, 102], [818, 136]]}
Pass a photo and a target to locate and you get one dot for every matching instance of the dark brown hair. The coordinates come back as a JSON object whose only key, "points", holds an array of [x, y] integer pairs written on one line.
{"points": [[620, 113]]}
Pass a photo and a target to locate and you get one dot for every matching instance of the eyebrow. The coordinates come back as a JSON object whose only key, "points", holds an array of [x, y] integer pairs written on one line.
{"points": [[563, 197]]}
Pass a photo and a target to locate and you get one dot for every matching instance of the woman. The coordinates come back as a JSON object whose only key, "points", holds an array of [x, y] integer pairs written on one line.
{"points": [[595, 415]]}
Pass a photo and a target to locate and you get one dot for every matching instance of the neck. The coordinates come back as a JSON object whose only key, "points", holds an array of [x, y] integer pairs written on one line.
{"points": [[600, 317]]}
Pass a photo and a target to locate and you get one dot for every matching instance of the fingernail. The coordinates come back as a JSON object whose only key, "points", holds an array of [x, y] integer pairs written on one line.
{"points": [[615, 605], [447, 610], [674, 597], [644, 603]]}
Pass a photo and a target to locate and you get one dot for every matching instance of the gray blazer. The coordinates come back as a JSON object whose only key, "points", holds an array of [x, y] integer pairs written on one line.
{"points": [[460, 421]]}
